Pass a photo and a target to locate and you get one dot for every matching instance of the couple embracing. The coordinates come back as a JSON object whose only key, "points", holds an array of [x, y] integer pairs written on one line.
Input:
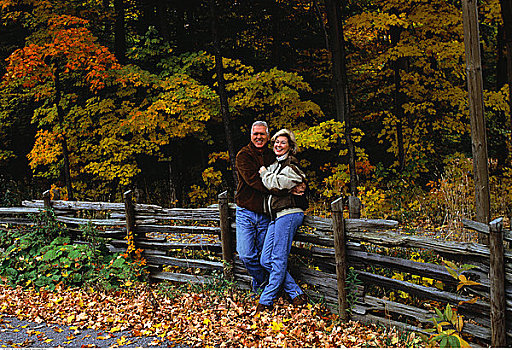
{"points": [[270, 208]]}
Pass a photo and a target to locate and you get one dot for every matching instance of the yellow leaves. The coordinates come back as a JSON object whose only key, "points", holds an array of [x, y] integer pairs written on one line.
{"points": [[497, 100], [465, 282], [47, 149], [276, 326], [123, 341]]}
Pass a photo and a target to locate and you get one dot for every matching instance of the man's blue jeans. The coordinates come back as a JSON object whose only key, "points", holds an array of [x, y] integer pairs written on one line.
{"points": [[251, 228], [274, 257]]}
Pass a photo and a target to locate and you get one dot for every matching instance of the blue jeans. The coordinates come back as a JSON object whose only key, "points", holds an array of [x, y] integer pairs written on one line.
{"points": [[274, 257], [251, 228]]}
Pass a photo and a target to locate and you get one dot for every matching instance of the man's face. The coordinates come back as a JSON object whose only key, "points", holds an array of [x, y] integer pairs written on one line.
{"points": [[259, 136]]}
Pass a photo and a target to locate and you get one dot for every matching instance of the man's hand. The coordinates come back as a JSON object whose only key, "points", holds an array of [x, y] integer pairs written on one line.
{"points": [[299, 189]]}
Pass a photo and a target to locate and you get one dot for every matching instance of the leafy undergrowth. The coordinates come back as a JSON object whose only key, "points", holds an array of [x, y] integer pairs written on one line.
{"points": [[196, 318]]}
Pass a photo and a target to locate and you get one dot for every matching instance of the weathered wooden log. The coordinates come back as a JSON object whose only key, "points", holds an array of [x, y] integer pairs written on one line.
{"points": [[176, 216], [226, 234], [17, 221], [340, 256], [369, 318], [47, 199], [354, 207], [99, 206], [434, 271], [319, 239], [325, 225], [129, 211], [196, 214], [178, 277], [314, 277], [19, 210], [97, 222], [497, 278], [479, 307], [184, 263], [166, 246], [27, 211], [200, 230], [370, 303], [484, 228], [388, 239]]}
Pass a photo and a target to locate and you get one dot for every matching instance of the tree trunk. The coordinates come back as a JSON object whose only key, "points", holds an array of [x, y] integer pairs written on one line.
{"points": [[219, 69], [476, 112], [63, 142], [501, 80], [173, 198], [399, 99], [119, 32], [340, 81], [506, 15]]}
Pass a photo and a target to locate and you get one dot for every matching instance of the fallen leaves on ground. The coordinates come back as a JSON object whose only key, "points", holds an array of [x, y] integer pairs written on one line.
{"points": [[195, 319]]}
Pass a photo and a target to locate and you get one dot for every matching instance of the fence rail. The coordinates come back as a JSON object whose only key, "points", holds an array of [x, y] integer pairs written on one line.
{"points": [[324, 250]]}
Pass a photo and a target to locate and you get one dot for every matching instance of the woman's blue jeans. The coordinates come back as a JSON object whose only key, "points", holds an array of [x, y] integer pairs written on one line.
{"points": [[251, 228], [274, 257]]}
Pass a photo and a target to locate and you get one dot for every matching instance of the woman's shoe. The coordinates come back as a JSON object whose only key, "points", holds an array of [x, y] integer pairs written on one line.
{"points": [[300, 300], [262, 307]]}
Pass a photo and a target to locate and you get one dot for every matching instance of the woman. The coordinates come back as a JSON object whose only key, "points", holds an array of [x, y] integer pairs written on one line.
{"points": [[286, 212]]}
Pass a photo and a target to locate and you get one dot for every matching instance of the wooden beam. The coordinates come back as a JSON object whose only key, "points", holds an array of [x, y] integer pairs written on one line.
{"points": [[497, 278], [340, 255], [476, 112], [226, 236]]}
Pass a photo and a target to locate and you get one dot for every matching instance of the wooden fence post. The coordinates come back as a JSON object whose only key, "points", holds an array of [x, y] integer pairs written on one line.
{"points": [[46, 199], [340, 255], [130, 213], [226, 236], [497, 281], [354, 207]]}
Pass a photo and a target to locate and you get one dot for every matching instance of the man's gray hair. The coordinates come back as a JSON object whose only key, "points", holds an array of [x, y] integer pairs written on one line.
{"points": [[259, 123]]}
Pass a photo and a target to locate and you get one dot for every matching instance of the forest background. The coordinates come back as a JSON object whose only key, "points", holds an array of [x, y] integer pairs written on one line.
{"points": [[125, 95]]}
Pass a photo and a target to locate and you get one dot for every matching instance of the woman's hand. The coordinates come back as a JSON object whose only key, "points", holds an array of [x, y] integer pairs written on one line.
{"points": [[299, 189], [262, 169]]}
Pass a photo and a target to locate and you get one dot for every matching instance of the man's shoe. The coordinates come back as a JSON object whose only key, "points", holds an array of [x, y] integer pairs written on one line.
{"points": [[300, 300], [262, 307]]}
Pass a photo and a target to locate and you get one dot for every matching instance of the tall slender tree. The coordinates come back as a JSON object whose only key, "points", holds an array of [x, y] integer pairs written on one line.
{"points": [[506, 15], [476, 112], [224, 107], [340, 81]]}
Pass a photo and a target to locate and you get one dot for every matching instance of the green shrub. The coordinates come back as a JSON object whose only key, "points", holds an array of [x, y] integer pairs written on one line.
{"points": [[43, 256]]}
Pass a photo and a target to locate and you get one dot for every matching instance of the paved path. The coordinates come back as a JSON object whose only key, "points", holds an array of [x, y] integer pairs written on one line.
{"points": [[16, 333]]}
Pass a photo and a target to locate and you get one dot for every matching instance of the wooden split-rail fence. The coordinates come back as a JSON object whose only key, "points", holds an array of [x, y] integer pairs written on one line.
{"points": [[347, 263]]}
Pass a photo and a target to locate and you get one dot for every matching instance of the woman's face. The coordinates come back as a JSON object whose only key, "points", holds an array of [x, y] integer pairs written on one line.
{"points": [[281, 145]]}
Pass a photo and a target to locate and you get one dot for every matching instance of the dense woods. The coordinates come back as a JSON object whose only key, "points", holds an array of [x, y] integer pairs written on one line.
{"points": [[98, 97]]}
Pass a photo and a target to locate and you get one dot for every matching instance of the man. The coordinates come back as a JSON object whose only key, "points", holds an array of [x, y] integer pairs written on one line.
{"points": [[251, 222]]}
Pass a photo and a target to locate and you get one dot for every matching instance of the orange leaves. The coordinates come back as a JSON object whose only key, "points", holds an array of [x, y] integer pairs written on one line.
{"points": [[71, 48]]}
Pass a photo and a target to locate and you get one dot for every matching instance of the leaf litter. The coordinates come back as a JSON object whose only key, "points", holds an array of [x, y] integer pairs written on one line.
{"points": [[191, 318]]}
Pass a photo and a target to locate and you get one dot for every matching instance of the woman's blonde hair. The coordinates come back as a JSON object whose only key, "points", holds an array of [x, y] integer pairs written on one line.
{"points": [[291, 139]]}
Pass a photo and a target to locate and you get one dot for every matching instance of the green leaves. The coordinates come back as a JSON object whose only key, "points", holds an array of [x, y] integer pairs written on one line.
{"points": [[43, 257], [447, 329]]}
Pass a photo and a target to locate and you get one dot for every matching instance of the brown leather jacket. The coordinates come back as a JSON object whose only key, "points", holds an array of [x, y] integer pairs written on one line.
{"points": [[250, 191]]}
